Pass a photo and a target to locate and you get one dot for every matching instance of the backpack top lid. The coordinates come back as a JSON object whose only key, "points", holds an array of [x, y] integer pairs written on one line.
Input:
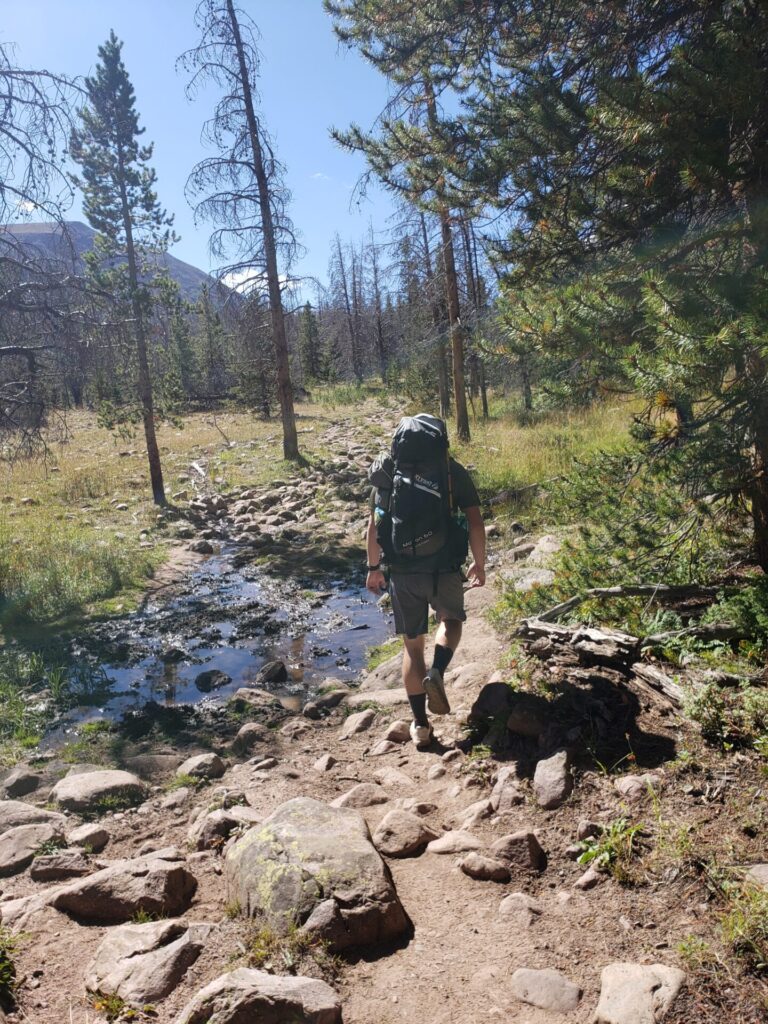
{"points": [[420, 438]]}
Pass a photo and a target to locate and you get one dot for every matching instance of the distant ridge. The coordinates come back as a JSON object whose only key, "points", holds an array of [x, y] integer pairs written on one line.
{"points": [[49, 240]]}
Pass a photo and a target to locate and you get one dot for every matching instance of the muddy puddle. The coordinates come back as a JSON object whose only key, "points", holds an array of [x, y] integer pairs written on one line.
{"points": [[221, 620]]}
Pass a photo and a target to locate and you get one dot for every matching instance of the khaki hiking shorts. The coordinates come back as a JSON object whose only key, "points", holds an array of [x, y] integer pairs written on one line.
{"points": [[412, 594]]}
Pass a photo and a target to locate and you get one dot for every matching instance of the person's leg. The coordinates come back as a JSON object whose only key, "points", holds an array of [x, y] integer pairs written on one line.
{"points": [[411, 608], [414, 670], [446, 641]]}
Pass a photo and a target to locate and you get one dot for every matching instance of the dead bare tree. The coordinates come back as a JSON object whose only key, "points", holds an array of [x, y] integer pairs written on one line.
{"points": [[241, 190]]}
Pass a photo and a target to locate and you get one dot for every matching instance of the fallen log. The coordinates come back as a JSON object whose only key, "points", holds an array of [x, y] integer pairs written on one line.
{"points": [[712, 631], [660, 681], [651, 590]]}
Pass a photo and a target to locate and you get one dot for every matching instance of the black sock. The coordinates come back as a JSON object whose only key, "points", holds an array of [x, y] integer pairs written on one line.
{"points": [[442, 658], [418, 702]]}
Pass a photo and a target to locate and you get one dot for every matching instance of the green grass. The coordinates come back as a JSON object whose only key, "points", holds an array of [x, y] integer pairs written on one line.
{"points": [[9, 945], [383, 652], [613, 849]]}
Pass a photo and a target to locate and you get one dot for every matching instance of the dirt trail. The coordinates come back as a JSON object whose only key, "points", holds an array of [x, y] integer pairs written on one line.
{"points": [[457, 965]]}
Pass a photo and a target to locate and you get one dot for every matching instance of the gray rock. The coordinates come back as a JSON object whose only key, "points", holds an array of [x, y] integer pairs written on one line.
{"points": [[249, 995], [20, 781], [88, 791], [589, 880], [505, 794], [202, 766], [521, 849], [325, 763], [637, 993], [249, 736], [494, 700], [271, 672], [522, 907], [211, 679], [394, 778], [587, 829], [89, 836], [17, 812], [384, 747], [437, 771], [55, 867], [636, 787], [474, 814], [758, 873], [152, 884], [547, 989], [484, 869], [552, 781], [314, 865], [401, 834], [398, 732], [143, 963], [455, 842], [211, 831], [19, 845], [358, 722], [535, 578], [364, 794]]}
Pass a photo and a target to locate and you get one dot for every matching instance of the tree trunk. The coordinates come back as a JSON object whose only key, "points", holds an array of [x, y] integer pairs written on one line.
{"points": [[758, 493], [279, 339], [451, 290], [525, 380], [483, 390], [438, 322]]}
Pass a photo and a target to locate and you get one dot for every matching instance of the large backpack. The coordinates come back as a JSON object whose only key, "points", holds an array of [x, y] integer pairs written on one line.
{"points": [[417, 526]]}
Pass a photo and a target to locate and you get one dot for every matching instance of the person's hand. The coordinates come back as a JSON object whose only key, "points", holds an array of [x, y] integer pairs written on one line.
{"points": [[376, 581], [476, 575]]}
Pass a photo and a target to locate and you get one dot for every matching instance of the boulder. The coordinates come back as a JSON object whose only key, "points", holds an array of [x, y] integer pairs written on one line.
{"points": [[637, 993], [17, 812], [19, 845], [455, 842], [364, 794], [484, 869], [271, 672], [358, 722], [143, 963], [315, 865], [495, 699], [202, 766], [250, 995], [552, 780], [521, 849], [91, 791], [547, 989], [20, 781], [398, 732], [56, 867], [154, 884], [401, 834], [89, 836]]}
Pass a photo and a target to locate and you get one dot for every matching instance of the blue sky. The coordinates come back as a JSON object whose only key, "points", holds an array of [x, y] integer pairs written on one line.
{"points": [[308, 84]]}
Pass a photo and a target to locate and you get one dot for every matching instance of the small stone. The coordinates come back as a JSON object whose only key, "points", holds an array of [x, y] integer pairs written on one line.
{"points": [[211, 679], [393, 777], [588, 880], [384, 747], [358, 722], [90, 836], [436, 772], [364, 794], [552, 781], [401, 834], [455, 842], [547, 989], [398, 732], [324, 763], [248, 737], [484, 869], [636, 787], [521, 849], [55, 867], [20, 782], [202, 766], [263, 764], [637, 993], [519, 905], [450, 755], [505, 795], [271, 672], [587, 829], [201, 547], [474, 814]]}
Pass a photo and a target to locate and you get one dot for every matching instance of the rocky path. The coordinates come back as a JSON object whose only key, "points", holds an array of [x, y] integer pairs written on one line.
{"points": [[435, 886]]}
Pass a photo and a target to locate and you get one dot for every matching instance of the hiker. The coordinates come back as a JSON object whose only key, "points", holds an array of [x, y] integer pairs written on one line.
{"points": [[425, 515]]}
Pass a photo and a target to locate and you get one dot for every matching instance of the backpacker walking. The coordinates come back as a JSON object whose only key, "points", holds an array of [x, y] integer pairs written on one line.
{"points": [[425, 517]]}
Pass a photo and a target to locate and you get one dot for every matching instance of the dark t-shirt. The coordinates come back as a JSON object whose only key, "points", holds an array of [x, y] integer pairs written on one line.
{"points": [[464, 491]]}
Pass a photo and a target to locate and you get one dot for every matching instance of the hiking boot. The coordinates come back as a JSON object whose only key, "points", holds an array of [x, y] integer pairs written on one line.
{"points": [[421, 735], [437, 702]]}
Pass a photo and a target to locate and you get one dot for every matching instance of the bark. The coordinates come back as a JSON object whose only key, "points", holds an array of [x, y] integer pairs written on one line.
{"points": [[277, 316], [439, 317], [483, 390], [759, 488]]}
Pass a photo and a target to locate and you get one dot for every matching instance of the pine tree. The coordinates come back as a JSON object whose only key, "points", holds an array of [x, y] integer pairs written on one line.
{"points": [[120, 203], [309, 343]]}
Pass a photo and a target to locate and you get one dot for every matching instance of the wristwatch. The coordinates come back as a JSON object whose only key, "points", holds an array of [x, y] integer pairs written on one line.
{"points": [[373, 568]]}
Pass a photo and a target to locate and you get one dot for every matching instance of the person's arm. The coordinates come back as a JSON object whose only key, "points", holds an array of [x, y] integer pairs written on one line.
{"points": [[376, 580], [476, 571]]}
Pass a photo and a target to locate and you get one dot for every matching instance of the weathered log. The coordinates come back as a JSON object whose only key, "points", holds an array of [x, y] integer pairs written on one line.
{"points": [[660, 681], [651, 590], [712, 631]]}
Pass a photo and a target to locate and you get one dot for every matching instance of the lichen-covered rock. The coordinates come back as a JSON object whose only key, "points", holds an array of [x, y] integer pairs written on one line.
{"points": [[248, 995], [143, 963], [315, 865], [88, 791]]}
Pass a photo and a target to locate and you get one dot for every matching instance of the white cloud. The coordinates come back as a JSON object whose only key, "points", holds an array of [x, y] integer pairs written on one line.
{"points": [[249, 280], [319, 176], [26, 206]]}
